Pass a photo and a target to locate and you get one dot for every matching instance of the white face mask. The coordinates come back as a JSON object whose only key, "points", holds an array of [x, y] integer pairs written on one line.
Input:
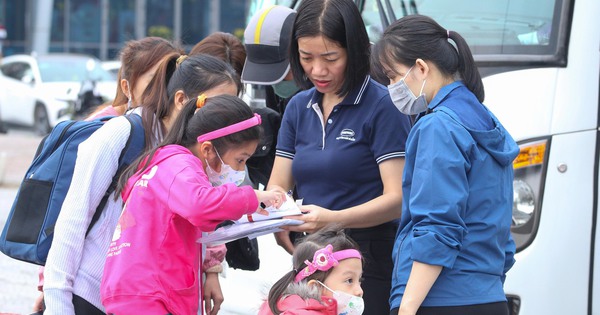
{"points": [[227, 174], [129, 102], [404, 99], [347, 304]]}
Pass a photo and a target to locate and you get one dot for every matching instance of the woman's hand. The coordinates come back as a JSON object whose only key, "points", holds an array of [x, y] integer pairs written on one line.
{"points": [[314, 217], [213, 296], [38, 305], [283, 239]]}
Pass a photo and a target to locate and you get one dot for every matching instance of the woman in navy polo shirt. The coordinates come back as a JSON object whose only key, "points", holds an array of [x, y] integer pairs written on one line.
{"points": [[454, 245], [341, 143]]}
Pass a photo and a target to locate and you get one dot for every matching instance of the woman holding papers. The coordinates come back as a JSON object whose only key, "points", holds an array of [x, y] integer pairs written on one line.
{"points": [[184, 187], [341, 143]]}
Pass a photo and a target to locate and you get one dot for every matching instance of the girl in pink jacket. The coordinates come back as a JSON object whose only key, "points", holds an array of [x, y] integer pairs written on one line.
{"points": [[325, 280], [184, 187]]}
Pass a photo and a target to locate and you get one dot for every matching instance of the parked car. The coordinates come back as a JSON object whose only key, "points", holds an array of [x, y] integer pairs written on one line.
{"points": [[112, 66], [40, 91]]}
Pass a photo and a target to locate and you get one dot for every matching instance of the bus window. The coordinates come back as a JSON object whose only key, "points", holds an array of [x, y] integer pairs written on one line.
{"points": [[491, 27]]}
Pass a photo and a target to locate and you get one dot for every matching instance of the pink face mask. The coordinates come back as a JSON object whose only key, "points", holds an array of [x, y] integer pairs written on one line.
{"points": [[347, 304], [226, 175]]}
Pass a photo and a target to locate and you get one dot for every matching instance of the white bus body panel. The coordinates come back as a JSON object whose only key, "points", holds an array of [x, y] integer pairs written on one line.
{"points": [[553, 274]]}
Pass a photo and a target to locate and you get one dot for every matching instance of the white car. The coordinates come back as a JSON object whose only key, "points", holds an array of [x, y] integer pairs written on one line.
{"points": [[112, 66], [40, 91]]}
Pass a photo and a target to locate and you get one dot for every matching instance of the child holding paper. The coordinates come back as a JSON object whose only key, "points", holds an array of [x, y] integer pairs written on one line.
{"points": [[153, 260]]}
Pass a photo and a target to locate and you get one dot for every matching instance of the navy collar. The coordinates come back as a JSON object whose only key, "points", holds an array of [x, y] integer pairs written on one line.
{"points": [[353, 98]]}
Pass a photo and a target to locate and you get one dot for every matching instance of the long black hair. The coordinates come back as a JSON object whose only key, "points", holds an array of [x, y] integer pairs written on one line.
{"points": [[331, 234], [418, 36], [339, 21], [218, 112], [193, 75]]}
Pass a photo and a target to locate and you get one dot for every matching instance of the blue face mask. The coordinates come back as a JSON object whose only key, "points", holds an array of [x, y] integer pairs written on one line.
{"points": [[285, 89]]}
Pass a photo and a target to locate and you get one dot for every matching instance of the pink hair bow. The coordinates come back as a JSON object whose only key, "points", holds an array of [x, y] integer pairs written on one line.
{"points": [[325, 259]]}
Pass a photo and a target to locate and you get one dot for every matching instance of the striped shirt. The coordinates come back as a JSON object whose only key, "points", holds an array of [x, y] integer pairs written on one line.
{"points": [[75, 262]]}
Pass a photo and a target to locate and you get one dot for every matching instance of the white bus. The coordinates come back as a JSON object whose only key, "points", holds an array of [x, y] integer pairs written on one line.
{"points": [[540, 60]]}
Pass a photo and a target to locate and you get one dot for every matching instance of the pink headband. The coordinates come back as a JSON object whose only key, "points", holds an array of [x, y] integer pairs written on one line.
{"points": [[225, 131], [325, 259]]}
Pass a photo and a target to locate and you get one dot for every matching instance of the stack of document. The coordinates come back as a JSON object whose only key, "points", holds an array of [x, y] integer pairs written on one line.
{"points": [[254, 225]]}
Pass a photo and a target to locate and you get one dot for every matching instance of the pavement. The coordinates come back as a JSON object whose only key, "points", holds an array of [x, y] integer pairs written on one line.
{"points": [[244, 291], [18, 280]]}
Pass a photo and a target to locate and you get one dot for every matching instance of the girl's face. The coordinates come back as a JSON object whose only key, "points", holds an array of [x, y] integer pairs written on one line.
{"points": [[412, 75], [395, 72], [236, 157], [324, 62], [345, 277]]}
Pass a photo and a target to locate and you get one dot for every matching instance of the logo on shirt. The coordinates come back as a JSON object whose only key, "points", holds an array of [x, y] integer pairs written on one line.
{"points": [[146, 177], [346, 134]]}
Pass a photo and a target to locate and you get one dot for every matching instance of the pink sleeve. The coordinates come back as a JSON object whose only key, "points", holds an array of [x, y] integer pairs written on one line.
{"points": [[41, 279], [214, 256], [108, 110], [193, 197]]}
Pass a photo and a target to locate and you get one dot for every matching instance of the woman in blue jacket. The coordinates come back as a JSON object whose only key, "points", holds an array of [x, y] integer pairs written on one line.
{"points": [[453, 246]]}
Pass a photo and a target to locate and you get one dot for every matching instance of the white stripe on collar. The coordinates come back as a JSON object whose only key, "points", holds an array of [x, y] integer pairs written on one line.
{"points": [[362, 90]]}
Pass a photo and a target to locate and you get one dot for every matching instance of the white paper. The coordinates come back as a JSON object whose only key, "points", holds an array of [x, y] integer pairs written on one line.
{"points": [[251, 230], [289, 207]]}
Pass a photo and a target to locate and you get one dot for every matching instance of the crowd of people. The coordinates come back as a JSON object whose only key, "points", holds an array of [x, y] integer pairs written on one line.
{"points": [[406, 188]]}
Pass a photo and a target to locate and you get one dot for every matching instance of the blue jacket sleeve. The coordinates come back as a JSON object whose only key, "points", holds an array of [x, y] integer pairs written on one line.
{"points": [[439, 193]]}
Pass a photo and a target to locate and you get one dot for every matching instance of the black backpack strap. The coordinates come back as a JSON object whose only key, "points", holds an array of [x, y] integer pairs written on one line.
{"points": [[133, 148]]}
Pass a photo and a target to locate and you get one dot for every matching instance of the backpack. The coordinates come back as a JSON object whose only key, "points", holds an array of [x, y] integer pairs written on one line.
{"points": [[28, 232]]}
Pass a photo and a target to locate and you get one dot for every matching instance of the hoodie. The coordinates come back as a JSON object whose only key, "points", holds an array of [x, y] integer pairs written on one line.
{"points": [[457, 202], [302, 299], [153, 259]]}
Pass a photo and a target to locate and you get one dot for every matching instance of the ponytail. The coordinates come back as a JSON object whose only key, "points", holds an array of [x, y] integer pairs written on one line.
{"points": [[466, 66], [278, 290], [192, 75], [156, 100], [418, 36], [175, 136]]}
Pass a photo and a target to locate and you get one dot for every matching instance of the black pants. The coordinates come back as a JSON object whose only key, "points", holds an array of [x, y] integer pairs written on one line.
{"points": [[81, 306], [498, 308], [376, 246]]}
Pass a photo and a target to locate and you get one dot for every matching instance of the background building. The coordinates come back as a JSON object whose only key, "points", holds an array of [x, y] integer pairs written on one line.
{"points": [[100, 27]]}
